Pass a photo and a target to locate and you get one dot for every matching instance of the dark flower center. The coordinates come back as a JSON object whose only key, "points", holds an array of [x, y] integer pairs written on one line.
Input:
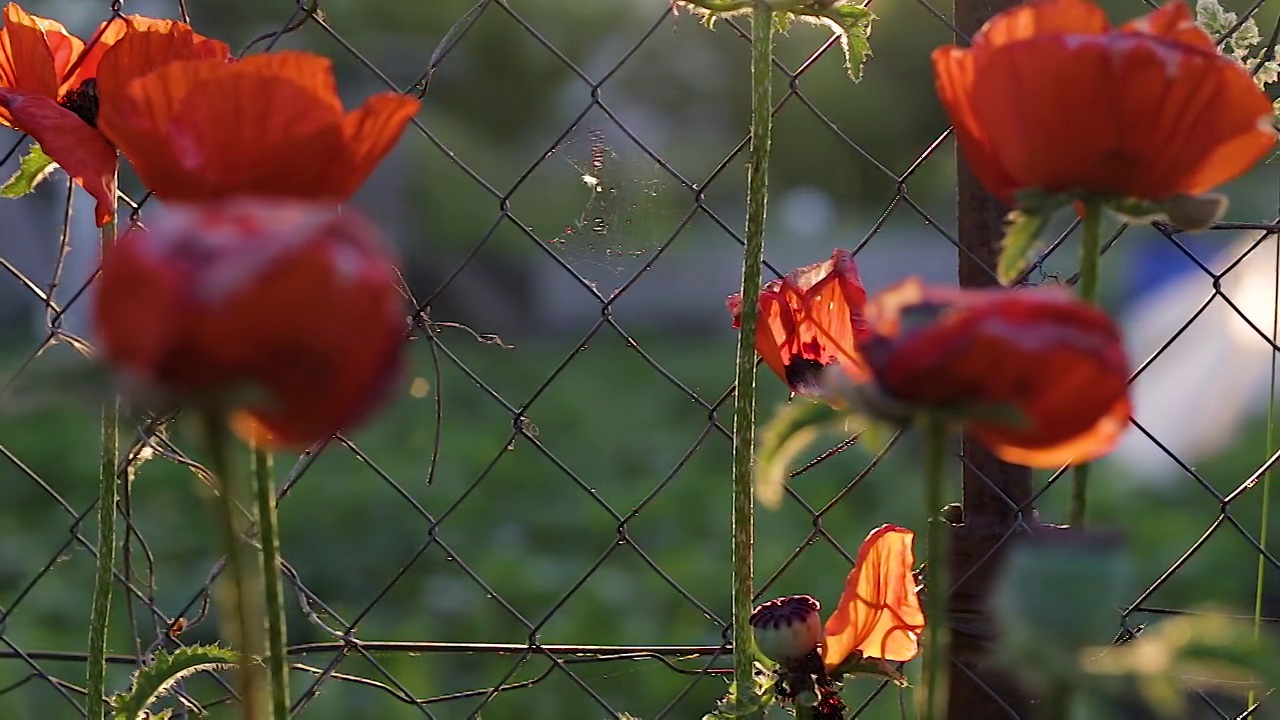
{"points": [[804, 375], [83, 101]]}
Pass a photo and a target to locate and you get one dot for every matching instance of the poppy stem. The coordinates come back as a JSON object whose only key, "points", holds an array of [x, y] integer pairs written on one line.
{"points": [[261, 464], [104, 577], [238, 604], [744, 411], [935, 596], [1090, 250]]}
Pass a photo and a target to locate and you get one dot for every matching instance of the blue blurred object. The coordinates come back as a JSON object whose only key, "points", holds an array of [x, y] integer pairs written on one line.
{"points": [[1156, 260]]}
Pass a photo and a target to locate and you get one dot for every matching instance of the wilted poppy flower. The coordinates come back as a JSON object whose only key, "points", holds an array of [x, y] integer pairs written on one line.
{"points": [[879, 614], [808, 321], [1043, 373], [1049, 98], [49, 86], [286, 310], [269, 125]]}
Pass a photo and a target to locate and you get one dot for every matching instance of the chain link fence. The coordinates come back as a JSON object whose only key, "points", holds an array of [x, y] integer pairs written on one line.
{"points": [[539, 528]]}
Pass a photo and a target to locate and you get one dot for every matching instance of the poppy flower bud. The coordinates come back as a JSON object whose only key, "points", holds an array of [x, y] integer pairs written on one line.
{"points": [[787, 629], [284, 314], [1196, 212]]}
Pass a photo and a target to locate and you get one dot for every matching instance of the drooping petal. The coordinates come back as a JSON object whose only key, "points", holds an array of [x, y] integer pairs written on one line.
{"points": [[879, 613], [369, 133], [830, 315], [81, 151]]}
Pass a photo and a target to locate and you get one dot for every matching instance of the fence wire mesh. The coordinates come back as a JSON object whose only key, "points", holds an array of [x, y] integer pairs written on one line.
{"points": [[539, 527]]}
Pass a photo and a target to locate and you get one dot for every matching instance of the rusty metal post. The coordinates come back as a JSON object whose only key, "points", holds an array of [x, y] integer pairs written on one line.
{"points": [[992, 488]]}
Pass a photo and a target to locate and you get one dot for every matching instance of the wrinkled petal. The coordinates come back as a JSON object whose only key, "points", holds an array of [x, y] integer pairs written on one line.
{"points": [[808, 320], [879, 613], [27, 60], [80, 150], [147, 45]]}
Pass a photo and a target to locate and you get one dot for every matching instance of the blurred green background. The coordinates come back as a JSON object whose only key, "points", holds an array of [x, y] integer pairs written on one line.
{"points": [[532, 538]]}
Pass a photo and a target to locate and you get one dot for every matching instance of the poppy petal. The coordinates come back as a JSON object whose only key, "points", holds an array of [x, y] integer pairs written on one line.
{"points": [[26, 58], [831, 314], [879, 613], [370, 132], [1094, 443], [1046, 17], [953, 71], [82, 151], [1172, 21], [150, 45], [90, 54]]}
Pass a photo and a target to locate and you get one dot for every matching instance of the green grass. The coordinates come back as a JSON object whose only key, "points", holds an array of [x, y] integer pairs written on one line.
{"points": [[529, 530]]}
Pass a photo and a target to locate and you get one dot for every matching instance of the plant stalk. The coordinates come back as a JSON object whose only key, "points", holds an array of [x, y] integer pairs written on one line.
{"points": [[744, 411], [269, 536], [1090, 250], [935, 596], [108, 498], [242, 621]]}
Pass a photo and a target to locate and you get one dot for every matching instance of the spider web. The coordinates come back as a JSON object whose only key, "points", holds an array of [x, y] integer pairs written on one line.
{"points": [[627, 207]]}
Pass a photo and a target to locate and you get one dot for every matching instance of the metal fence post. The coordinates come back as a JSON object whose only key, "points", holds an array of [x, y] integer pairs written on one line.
{"points": [[993, 490]]}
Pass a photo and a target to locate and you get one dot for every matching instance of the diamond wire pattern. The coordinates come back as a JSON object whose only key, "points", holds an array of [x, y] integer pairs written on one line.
{"points": [[140, 584]]}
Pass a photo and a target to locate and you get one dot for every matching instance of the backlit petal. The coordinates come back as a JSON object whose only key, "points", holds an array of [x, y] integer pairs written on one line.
{"points": [[1173, 22], [82, 152], [879, 613], [953, 75], [1045, 17], [1094, 443], [26, 59], [369, 133]]}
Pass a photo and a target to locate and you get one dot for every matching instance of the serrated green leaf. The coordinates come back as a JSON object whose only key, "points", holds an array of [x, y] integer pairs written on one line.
{"points": [[34, 167], [1021, 237], [154, 681], [854, 25], [796, 426]]}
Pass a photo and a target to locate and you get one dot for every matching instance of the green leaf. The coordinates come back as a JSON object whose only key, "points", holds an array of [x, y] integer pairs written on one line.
{"points": [[796, 426], [154, 681], [34, 167], [853, 23], [1021, 238]]}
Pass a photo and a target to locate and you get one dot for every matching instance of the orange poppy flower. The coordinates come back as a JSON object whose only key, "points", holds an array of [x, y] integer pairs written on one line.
{"points": [[269, 125], [49, 87], [808, 321], [285, 310], [1056, 360], [879, 614], [1048, 97]]}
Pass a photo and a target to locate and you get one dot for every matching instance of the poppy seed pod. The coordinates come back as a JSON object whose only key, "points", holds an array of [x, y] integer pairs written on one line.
{"points": [[787, 629], [284, 313]]}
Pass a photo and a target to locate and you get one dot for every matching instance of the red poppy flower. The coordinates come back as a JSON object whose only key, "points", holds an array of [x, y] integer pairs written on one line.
{"points": [[879, 614], [1048, 97], [269, 125], [49, 86], [1056, 360], [808, 320], [287, 309]]}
